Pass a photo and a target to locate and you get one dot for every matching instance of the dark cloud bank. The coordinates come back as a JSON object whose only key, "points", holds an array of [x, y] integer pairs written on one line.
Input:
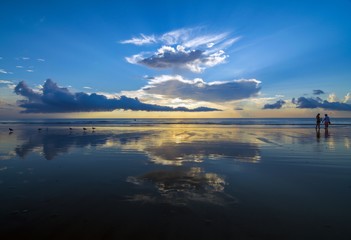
{"points": [[318, 92], [201, 91], [54, 99], [276, 105], [170, 59], [303, 102]]}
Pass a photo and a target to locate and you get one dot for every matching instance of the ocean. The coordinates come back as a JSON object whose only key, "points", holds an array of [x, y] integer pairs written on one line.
{"points": [[160, 121], [175, 179]]}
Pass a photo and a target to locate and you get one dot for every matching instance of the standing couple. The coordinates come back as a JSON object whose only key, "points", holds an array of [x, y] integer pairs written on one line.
{"points": [[325, 120]]}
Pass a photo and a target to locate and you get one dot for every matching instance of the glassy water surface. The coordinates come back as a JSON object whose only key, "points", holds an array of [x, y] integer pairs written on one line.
{"points": [[174, 181]]}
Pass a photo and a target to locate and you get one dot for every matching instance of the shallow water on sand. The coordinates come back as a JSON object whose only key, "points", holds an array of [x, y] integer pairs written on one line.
{"points": [[175, 182]]}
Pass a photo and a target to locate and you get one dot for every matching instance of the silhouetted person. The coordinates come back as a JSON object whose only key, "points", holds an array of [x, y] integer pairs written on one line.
{"points": [[318, 121], [326, 121], [10, 129]]}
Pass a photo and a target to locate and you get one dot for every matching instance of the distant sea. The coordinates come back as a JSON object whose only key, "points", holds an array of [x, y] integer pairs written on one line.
{"points": [[165, 121]]}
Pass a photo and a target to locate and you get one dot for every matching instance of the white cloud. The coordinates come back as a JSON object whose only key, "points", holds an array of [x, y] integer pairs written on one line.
{"points": [[347, 98], [223, 45], [11, 86], [215, 58], [169, 57], [19, 66], [205, 40], [5, 82], [3, 71], [333, 98], [41, 60], [185, 48], [165, 49], [177, 36], [135, 59], [141, 41], [87, 87], [39, 86], [8, 83], [30, 70]]}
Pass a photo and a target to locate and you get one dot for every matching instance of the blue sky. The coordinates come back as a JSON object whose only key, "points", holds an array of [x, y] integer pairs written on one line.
{"points": [[175, 58]]}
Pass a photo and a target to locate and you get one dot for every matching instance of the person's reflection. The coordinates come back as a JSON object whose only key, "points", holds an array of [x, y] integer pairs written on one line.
{"points": [[326, 133], [318, 134]]}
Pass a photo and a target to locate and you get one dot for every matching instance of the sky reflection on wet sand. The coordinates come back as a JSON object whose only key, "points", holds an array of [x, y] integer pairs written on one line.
{"points": [[175, 182]]}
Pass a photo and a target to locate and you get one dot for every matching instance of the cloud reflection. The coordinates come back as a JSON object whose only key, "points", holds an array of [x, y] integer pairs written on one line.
{"points": [[169, 146], [51, 145], [178, 146], [177, 154], [182, 186]]}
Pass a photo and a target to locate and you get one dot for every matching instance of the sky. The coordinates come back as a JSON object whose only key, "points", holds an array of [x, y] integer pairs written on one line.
{"points": [[174, 59]]}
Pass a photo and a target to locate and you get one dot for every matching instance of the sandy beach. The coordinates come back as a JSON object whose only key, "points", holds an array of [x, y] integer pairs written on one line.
{"points": [[175, 182]]}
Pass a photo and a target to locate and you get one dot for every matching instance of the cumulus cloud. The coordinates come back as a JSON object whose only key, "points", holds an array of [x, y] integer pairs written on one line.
{"points": [[197, 89], [276, 105], [168, 57], [318, 92], [54, 99], [184, 48], [303, 102]]}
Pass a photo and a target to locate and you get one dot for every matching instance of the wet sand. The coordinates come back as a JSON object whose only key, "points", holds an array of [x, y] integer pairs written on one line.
{"points": [[175, 182]]}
